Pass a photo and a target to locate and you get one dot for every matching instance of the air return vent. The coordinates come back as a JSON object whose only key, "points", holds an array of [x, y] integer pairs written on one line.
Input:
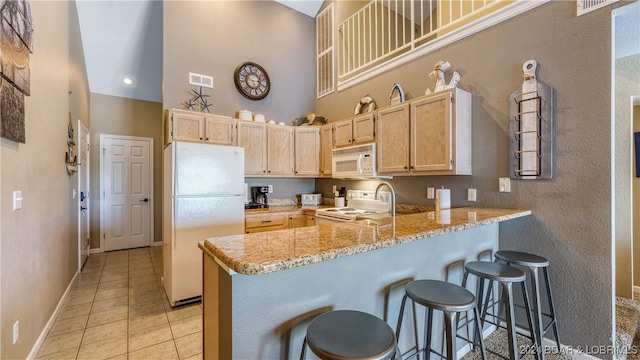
{"points": [[586, 6], [201, 80]]}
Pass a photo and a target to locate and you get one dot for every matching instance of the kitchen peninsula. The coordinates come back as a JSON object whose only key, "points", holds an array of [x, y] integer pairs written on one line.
{"points": [[261, 290]]}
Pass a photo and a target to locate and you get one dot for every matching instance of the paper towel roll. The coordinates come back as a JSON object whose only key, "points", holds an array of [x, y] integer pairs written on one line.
{"points": [[443, 199]]}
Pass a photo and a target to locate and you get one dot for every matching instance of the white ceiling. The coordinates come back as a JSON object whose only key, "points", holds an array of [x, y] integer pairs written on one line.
{"points": [[123, 38]]}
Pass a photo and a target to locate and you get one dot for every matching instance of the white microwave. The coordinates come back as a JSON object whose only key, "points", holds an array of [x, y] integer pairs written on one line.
{"points": [[354, 162]]}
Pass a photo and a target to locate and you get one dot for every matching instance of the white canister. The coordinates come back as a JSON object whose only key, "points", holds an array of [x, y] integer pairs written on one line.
{"points": [[339, 201], [244, 115], [443, 199], [258, 118]]}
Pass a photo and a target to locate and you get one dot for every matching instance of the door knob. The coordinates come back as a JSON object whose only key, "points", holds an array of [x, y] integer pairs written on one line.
{"points": [[144, 200]]}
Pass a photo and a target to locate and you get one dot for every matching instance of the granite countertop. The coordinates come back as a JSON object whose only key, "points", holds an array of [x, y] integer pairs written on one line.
{"points": [[266, 252]]}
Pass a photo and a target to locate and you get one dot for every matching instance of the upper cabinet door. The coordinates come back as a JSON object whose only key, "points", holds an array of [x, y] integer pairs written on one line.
{"points": [[326, 149], [187, 127], [307, 152], [364, 129], [393, 139], [252, 136], [280, 150], [219, 130], [431, 133], [342, 133]]}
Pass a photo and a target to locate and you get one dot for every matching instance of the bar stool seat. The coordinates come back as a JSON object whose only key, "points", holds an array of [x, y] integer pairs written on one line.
{"points": [[349, 334], [448, 298], [506, 276], [533, 263]]}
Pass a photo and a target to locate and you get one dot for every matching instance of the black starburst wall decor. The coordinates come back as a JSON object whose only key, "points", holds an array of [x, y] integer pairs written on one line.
{"points": [[198, 101], [16, 44]]}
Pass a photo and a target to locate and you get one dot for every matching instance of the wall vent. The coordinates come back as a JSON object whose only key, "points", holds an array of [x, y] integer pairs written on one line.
{"points": [[587, 6], [201, 80]]}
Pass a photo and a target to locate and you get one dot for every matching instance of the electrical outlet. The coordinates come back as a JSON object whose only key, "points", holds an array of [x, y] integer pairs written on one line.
{"points": [[431, 194], [16, 331], [504, 184], [270, 189], [471, 195]]}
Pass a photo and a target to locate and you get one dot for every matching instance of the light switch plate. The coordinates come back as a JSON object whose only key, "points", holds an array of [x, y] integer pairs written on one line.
{"points": [[17, 200]]}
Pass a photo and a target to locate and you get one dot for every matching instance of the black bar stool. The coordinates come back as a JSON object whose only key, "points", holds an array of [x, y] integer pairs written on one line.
{"points": [[533, 263], [506, 276], [448, 298], [349, 334]]}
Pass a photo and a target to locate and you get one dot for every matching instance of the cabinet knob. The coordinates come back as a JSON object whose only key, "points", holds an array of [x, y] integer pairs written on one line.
{"points": [[207, 139], [405, 168], [200, 138], [411, 167]]}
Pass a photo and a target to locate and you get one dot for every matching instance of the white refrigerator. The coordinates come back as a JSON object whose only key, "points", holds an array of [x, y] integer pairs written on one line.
{"points": [[203, 197]]}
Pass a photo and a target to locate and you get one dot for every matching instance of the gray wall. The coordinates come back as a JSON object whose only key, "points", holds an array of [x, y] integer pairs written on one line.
{"points": [[40, 242], [571, 222], [213, 37], [119, 116]]}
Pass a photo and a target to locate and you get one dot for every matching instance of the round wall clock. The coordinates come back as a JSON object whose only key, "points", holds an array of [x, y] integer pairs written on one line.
{"points": [[252, 81]]}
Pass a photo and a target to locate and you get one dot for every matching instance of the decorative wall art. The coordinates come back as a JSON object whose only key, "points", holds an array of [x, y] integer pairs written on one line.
{"points": [[16, 44], [70, 158], [531, 127], [438, 74], [198, 102], [365, 105]]}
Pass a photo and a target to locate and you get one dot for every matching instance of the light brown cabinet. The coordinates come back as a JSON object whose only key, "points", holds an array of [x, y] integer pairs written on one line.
{"points": [[310, 220], [297, 220], [182, 125], [280, 150], [252, 136], [265, 222], [307, 151], [326, 149], [430, 135], [260, 222], [393, 139], [354, 131]]}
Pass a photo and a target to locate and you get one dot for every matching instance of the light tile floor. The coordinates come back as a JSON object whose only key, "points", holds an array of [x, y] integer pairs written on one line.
{"points": [[117, 309]]}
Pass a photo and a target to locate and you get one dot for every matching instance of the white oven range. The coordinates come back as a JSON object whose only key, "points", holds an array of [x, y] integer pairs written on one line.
{"points": [[360, 203]]}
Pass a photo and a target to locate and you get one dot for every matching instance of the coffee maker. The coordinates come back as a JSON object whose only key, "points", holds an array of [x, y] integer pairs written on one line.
{"points": [[259, 197]]}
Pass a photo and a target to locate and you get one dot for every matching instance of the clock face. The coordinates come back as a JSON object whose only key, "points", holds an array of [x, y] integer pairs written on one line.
{"points": [[252, 81]]}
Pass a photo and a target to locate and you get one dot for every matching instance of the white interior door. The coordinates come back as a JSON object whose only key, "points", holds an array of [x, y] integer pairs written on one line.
{"points": [[127, 189], [83, 194]]}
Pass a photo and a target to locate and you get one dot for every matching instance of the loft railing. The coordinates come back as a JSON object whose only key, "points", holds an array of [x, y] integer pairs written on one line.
{"points": [[383, 29]]}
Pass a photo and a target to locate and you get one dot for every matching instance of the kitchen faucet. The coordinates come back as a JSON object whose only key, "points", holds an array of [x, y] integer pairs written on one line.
{"points": [[393, 196]]}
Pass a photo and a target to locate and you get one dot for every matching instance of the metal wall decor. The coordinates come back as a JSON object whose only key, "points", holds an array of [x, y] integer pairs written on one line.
{"points": [[531, 128], [16, 43], [198, 102]]}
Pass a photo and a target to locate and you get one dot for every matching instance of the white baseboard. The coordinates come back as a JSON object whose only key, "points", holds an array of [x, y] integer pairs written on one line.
{"points": [[96, 251], [157, 243], [52, 319]]}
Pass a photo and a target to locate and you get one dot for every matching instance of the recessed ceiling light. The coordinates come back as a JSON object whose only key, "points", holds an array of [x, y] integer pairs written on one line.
{"points": [[128, 81]]}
